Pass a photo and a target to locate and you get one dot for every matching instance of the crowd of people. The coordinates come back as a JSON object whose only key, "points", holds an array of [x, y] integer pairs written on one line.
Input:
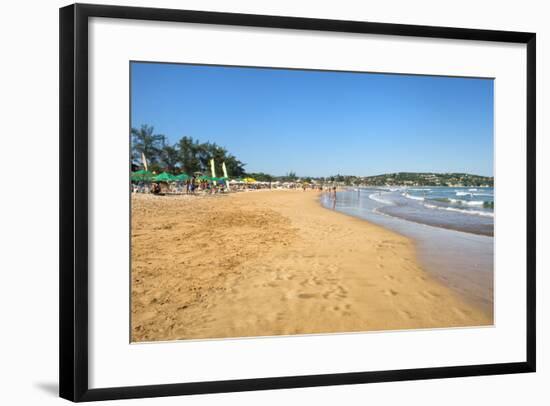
{"points": [[190, 186], [195, 185]]}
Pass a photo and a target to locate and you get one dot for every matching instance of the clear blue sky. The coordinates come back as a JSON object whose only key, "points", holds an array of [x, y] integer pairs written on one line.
{"points": [[322, 123]]}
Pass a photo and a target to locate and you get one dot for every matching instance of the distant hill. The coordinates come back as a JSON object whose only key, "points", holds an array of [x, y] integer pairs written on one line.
{"points": [[428, 179]]}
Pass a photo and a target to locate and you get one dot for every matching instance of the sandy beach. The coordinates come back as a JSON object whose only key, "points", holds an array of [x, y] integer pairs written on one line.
{"points": [[269, 263]]}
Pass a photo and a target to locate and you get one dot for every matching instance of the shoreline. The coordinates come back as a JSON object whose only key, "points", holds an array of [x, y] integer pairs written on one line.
{"points": [[277, 263], [462, 261]]}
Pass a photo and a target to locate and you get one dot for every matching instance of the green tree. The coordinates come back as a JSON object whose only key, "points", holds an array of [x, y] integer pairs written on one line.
{"points": [[235, 168], [260, 176], [290, 176], [188, 149], [145, 142], [169, 157], [187, 155]]}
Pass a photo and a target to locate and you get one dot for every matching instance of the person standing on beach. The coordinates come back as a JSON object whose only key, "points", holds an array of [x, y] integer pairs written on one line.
{"points": [[192, 185]]}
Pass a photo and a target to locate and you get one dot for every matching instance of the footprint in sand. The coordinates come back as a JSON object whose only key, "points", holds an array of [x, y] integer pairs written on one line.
{"points": [[279, 316], [405, 314], [426, 294], [306, 282], [339, 293], [390, 292], [307, 295], [342, 308], [461, 313]]}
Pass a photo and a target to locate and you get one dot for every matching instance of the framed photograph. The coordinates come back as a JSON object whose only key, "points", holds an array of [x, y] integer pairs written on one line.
{"points": [[257, 202]]}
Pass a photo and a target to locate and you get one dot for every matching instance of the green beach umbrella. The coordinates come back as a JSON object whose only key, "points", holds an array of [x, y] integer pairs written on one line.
{"points": [[164, 177], [182, 176], [141, 175]]}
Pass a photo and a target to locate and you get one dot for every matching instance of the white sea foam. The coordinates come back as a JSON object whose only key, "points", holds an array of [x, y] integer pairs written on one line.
{"points": [[467, 202], [408, 196], [471, 212], [376, 197], [463, 193]]}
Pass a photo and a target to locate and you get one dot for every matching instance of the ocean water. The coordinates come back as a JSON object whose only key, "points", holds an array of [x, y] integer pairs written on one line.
{"points": [[462, 209], [452, 229]]}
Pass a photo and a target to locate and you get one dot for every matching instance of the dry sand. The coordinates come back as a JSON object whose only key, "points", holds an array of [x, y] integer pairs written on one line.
{"points": [[275, 262]]}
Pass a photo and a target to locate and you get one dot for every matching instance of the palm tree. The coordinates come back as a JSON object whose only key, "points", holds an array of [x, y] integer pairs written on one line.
{"points": [[169, 157], [188, 149], [187, 154], [145, 142], [204, 154], [217, 153], [235, 168]]}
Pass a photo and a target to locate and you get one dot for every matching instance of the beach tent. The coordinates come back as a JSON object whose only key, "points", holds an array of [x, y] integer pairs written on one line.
{"points": [[249, 180], [164, 177], [141, 175]]}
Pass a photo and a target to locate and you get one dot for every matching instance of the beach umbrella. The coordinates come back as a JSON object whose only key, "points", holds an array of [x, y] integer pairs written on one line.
{"points": [[182, 176], [164, 177], [141, 175], [215, 179], [249, 180]]}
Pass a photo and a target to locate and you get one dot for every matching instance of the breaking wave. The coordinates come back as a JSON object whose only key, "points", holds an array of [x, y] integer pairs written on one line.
{"points": [[456, 209]]}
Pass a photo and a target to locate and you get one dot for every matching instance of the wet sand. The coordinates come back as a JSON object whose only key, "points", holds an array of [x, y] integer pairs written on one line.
{"points": [[276, 263]]}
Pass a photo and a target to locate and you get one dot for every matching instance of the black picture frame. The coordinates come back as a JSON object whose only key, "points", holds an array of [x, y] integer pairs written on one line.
{"points": [[73, 254]]}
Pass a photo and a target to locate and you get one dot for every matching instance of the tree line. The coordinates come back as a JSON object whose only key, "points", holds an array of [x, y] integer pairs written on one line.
{"points": [[187, 155]]}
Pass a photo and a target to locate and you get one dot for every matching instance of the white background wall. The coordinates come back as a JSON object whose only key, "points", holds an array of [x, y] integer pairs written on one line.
{"points": [[29, 208]]}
